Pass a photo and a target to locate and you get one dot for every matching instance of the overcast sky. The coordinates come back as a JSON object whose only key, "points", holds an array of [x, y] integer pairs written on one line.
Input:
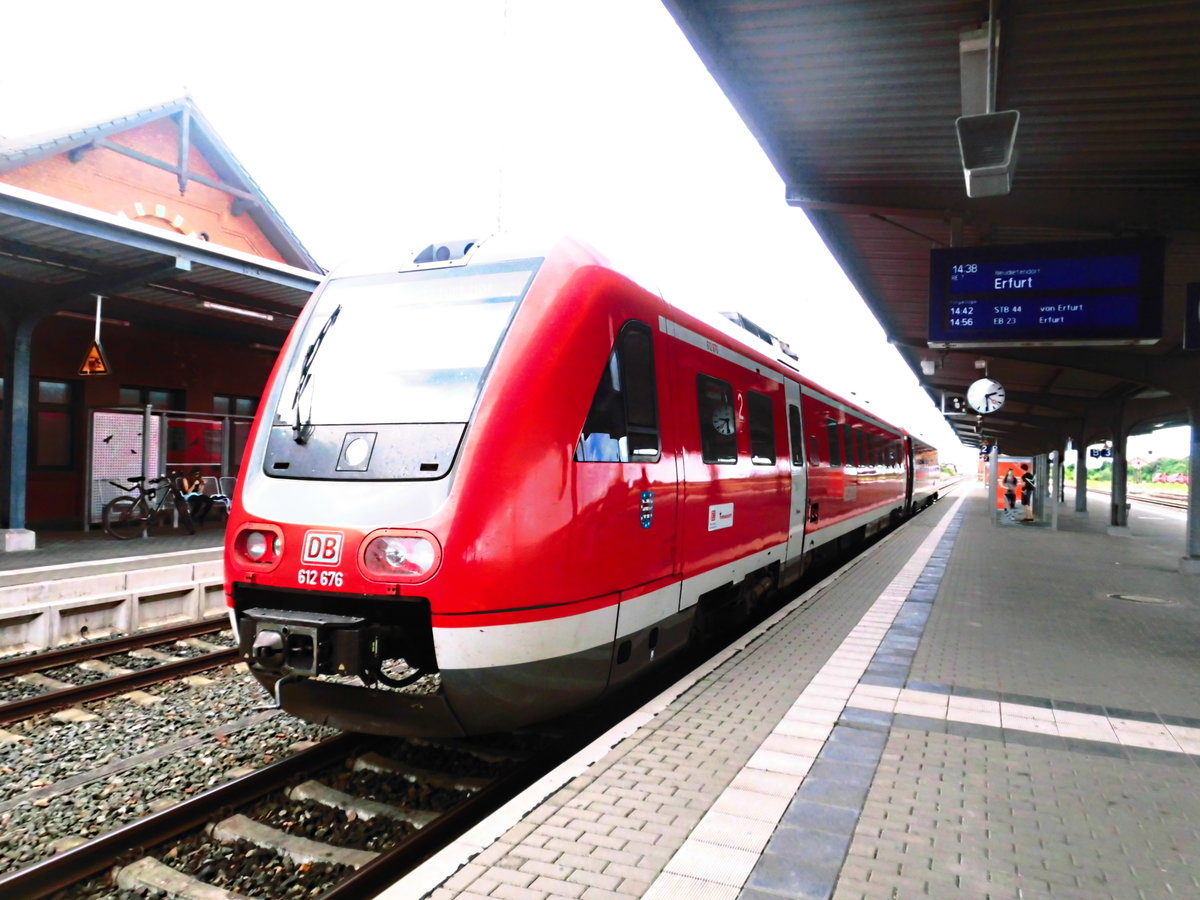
{"points": [[372, 126]]}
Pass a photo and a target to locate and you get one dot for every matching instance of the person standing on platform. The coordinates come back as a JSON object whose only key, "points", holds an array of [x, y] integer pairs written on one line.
{"points": [[1027, 485], [1010, 489]]}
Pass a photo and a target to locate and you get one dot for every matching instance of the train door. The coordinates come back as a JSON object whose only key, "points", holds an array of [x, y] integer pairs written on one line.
{"points": [[798, 515], [909, 462]]}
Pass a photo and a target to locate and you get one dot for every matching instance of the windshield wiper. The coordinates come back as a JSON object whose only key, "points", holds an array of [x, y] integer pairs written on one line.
{"points": [[301, 432]]}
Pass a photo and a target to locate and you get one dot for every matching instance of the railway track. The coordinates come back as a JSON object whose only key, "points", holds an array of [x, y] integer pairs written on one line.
{"points": [[39, 683], [339, 820], [1174, 502]]}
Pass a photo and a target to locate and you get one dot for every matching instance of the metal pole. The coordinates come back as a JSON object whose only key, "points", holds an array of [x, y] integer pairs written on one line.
{"points": [[1190, 564], [147, 421], [993, 482]]}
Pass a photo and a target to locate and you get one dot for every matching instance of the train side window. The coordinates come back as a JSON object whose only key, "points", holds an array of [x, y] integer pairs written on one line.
{"points": [[718, 423], [796, 435], [762, 429], [849, 448], [814, 450], [835, 442], [622, 423]]}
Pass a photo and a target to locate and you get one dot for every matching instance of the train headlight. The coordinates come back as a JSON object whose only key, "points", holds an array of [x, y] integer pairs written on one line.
{"points": [[400, 555], [258, 546]]}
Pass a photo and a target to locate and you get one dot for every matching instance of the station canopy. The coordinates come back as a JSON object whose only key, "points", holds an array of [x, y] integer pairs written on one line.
{"points": [[856, 102], [55, 256]]}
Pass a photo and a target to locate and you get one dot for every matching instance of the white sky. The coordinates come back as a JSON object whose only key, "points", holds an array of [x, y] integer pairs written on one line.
{"points": [[371, 125]]}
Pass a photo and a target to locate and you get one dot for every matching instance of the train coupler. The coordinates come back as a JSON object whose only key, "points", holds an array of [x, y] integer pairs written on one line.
{"points": [[303, 644]]}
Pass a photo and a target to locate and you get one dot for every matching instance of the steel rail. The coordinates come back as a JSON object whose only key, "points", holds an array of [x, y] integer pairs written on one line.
{"points": [[393, 864], [1153, 500], [116, 684], [71, 866], [23, 665]]}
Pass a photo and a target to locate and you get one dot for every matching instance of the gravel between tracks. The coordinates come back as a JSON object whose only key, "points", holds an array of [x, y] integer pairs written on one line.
{"points": [[65, 780]]}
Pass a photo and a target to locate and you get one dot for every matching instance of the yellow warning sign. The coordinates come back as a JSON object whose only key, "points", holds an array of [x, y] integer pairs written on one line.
{"points": [[94, 363]]}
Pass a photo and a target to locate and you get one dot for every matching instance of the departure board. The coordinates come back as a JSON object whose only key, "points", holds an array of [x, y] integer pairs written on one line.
{"points": [[1092, 292]]}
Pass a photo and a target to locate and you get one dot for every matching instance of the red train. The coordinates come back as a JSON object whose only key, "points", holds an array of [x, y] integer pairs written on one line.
{"points": [[491, 485]]}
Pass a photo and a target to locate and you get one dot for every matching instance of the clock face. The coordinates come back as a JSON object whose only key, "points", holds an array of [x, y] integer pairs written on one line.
{"points": [[985, 395], [722, 419]]}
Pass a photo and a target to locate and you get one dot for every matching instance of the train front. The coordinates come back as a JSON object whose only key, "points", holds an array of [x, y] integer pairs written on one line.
{"points": [[339, 517]]}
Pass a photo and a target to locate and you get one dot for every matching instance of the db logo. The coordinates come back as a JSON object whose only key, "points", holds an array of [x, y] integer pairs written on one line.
{"points": [[322, 548]]}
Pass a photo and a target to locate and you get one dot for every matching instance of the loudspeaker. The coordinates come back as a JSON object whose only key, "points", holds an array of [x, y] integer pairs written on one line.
{"points": [[986, 143]]}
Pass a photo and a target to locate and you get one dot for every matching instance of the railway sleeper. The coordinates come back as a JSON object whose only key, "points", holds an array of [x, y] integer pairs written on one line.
{"points": [[361, 807], [103, 668], [148, 875], [375, 762], [45, 682], [299, 850], [475, 749]]}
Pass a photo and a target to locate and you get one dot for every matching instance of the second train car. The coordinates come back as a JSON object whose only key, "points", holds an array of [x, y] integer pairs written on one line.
{"points": [[496, 481]]}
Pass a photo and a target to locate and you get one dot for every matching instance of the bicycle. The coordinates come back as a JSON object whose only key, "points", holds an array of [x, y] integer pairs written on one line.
{"points": [[127, 516]]}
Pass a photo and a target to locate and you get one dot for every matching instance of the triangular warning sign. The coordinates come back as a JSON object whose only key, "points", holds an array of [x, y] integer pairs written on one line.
{"points": [[94, 363]]}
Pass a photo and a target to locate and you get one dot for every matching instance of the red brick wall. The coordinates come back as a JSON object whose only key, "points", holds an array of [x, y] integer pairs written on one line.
{"points": [[198, 366], [111, 182]]}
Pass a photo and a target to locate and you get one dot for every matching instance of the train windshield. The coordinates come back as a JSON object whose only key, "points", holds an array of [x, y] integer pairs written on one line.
{"points": [[401, 348]]}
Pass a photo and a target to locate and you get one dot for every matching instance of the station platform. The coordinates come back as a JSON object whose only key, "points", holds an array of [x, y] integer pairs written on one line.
{"points": [[967, 710], [74, 552]]}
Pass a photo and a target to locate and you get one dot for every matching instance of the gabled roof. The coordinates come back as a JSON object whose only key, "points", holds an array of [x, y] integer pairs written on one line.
{"points": [[233, 177]]}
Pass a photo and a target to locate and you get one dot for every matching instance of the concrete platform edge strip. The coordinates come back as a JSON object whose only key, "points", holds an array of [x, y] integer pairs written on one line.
{"points": [[803, 855]]}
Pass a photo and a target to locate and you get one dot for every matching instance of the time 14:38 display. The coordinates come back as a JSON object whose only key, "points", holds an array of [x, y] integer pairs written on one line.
{"points": [[1107, 291]]}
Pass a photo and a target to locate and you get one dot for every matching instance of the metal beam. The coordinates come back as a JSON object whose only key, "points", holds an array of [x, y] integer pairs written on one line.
{"points": [[183, 175], [1109, 213], [167, 245]]}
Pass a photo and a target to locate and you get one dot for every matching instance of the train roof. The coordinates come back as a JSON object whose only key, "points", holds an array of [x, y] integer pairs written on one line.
{"points": [[745, 337]]}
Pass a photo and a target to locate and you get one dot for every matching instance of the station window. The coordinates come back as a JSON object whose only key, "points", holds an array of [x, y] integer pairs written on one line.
{"points": [[835, 442], [53, 424], [718, 421], [229, 405], [795, 435], [762, 429], [159, 398], [622, 423]]}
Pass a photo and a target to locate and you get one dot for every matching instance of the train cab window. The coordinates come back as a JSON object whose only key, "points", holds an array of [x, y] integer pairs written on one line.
{"points": [[835, 442], [622, 423], [762, 429], [718, 422], [795, 435]]}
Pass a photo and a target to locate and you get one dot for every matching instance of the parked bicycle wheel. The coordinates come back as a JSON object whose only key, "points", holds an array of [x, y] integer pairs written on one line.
{"points": [[124, 518]]}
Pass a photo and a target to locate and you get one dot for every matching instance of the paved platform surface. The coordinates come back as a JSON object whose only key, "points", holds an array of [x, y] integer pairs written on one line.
{"points": [[969, 710], [67, 553]]}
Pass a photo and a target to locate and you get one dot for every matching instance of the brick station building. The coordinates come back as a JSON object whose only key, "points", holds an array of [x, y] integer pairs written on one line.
{"points": [[200, 280]]}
